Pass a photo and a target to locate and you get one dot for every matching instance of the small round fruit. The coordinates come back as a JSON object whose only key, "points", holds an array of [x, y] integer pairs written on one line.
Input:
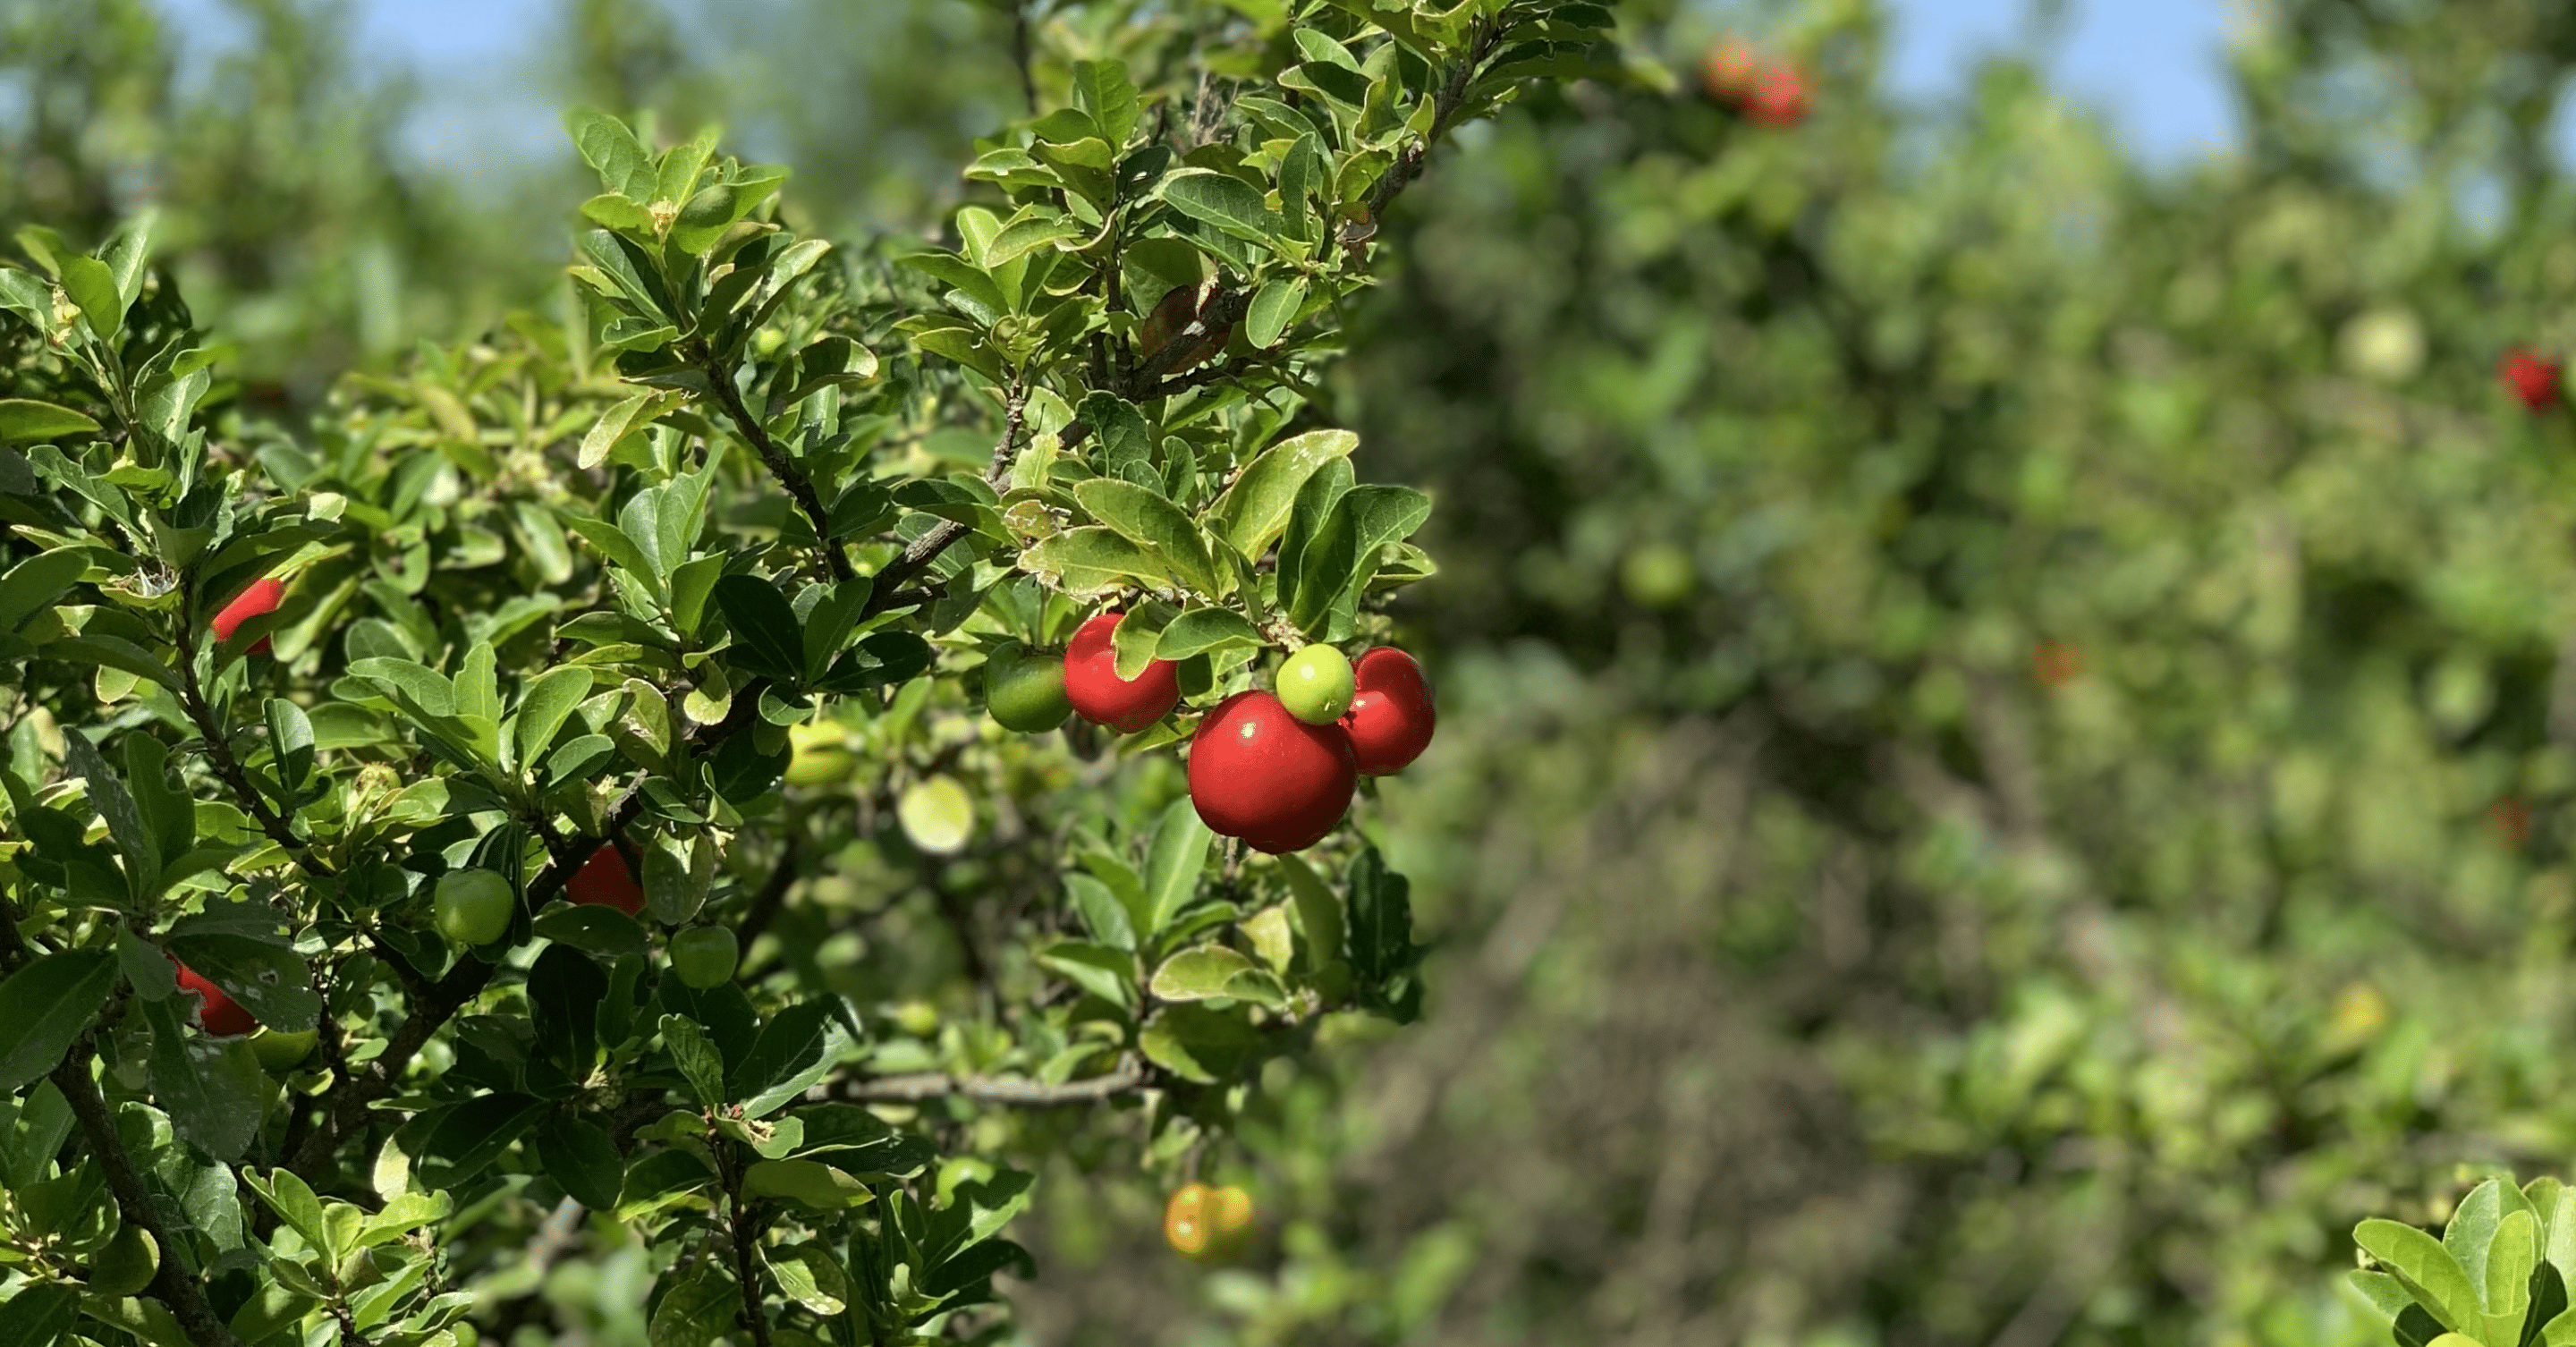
{"points": [[1261, 774], [2531, 378], [818, 759], [217, 1013], [127, 1264], [704, 956], [280, 1051], [1727, 70], [1099, 695], [1024, 690], [260, 599], [1316, 684], [473, 907], [1208, 1225], [606, 880], [1778, 97], [1392, 718]]}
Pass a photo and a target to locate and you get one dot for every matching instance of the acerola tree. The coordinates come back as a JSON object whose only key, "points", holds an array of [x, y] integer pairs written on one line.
{"points": [[290, 706]]}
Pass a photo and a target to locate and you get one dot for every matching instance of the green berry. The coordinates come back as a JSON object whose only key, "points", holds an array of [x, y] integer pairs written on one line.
{"points": [[1316, 684], [704, 956], [473, 906], [1024, 689], [126, 1265], [281, 1051]]}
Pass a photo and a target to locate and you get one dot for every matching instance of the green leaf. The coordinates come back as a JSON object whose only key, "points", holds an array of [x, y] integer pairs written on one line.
{"points": [[1126, 441], [767, 637], [975, 1264], [660, 1180], [25, 419], [212, 1088], [1274, 307], [1319, 910], [1173, 861], [1254, 512], [1225, 201], [966, 277], [45, 1005], [1102, 913], [115, 804], [290, 742], [294, 1204], [810, 1276], [613, 544], [617, 422], [617, 211], [696, 1055], [1198, 1044], [581, 1159], [544, 705], [977, 1211], [1199, 973], [2419, 1260], [38, 581], [1109, 974], [40, 1314], [1201, 630], [244, 948], [1030, 233], [799, 1046], [595, 929], [696, 1312], [1142, 516], [2511, 1256], [116, 653], [612, 150], [1093, 560], [93, 287], [459, 1141], [1102, 90]]}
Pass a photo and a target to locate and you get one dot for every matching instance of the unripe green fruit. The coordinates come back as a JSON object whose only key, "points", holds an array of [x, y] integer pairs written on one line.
{"points": [[704, 956], [281, 1051], [473, 906], [1316, 684], [1025, 691], [126, 1265]]}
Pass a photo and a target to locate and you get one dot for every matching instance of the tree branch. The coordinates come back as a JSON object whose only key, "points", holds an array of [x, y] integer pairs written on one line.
{"points": [[1128, 1076], [800, 487], [219, 748], [925, 549], [172, 1286], [1444, 106]]}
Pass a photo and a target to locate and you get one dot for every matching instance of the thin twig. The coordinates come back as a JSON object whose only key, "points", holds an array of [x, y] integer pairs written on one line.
{"points": [[799, 486], [1128, 1076], [219, 748]]}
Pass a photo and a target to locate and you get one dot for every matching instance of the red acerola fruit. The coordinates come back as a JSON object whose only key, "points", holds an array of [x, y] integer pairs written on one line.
{"points": [[2531, 378], [260, 598], [1391, 720], [606, 880], [1778, 97], [1099, 695], [221, 1015], [1261, 774]]}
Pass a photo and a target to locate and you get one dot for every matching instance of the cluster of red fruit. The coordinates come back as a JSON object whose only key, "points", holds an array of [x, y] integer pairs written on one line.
{"points": [[1734, 73], [2531, 378], [1276, 769]]}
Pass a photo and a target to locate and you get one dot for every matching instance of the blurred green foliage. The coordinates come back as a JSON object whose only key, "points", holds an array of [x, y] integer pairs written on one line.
{"points": [[2008, 725]]}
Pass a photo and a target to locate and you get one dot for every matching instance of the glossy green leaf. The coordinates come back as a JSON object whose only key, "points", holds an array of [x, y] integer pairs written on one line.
{"points": [[45, 1005], [1173, 862]]}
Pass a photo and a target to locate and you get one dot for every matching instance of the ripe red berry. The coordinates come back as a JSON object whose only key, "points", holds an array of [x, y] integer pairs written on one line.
{"points": [[606, 880], [1778, 97], [1099, 695], [259, 599], [220, 1014], [2531, 378], [1391, 720], [1261, 774]]}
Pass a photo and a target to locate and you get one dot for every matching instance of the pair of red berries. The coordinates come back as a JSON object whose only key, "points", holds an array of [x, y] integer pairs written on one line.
{"points": [[2531, 378], [1733, 72], [1257, 771]]}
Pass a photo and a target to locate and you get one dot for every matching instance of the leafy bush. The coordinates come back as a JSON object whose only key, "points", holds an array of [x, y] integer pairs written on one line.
{"points": [[644, 624]]}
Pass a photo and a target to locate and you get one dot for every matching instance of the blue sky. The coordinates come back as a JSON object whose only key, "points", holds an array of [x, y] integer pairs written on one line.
{"points": [[2151, 65]]}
